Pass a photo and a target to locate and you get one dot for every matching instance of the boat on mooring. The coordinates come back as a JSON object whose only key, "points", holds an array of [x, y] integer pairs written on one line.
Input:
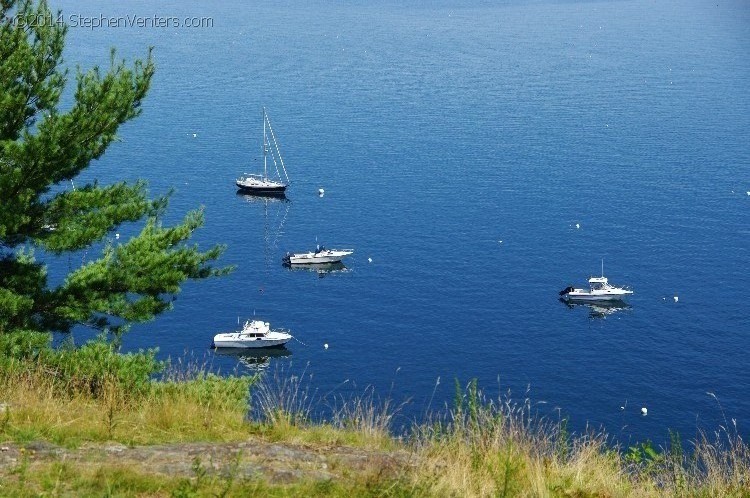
{"points": [[599, 290], [255, 334], [320, 255], [263, 184]]}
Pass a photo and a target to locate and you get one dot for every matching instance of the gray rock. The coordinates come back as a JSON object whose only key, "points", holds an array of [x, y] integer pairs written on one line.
{"points": [[253, 459]]}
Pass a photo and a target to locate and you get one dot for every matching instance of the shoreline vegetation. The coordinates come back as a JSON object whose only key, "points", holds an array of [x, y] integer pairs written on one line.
{"points": [[91, 421]]}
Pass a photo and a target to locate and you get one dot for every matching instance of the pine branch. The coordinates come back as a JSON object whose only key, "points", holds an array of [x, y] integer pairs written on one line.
{"points": [[139, 279], [76, 219]]}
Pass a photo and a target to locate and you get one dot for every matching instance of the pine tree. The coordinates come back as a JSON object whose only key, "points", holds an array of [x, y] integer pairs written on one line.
{"points": [[41, 150]]}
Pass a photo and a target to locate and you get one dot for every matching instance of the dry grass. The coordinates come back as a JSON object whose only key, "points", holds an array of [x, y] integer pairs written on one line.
{"points": [[285, 407], [480, 447], [204, 408], [498, 448]]}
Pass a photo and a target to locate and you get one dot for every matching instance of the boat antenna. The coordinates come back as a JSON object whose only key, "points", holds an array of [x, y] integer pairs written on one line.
{"points": [[602, 267]]}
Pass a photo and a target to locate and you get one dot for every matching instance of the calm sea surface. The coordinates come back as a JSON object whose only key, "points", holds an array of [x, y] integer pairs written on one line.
{"points": [[479, 157]]}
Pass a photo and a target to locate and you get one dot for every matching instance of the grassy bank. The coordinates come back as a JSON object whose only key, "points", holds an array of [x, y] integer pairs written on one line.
{"points": [[480, 447]]}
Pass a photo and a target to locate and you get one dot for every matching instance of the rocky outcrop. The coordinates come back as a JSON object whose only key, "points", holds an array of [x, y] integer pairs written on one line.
{"points": [[252, 459]]}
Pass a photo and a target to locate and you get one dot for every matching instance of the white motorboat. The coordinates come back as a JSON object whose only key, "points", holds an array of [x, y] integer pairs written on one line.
{"points": [[263, 184], [255, 334], [599, 290], [320, 255]]}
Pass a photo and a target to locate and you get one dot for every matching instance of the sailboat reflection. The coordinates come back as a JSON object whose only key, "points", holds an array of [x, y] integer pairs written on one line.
{"points": [[599, 309], [263, 197], [273, 225], [322, 269], [257, 359]]}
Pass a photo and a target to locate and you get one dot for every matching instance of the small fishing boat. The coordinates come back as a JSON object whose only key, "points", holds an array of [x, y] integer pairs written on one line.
{"points": [[320, 255], [599, 290], [255, 334], [263, 184]]}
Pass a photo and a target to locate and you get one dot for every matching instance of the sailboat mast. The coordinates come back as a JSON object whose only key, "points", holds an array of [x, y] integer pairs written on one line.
{"points": [[277, 152], [265, 147]]}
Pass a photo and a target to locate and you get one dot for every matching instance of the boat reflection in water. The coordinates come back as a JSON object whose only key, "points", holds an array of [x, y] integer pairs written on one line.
{"points": [[264, 197], [598, 309], [256, 360], [273, 225], [322, 269]]}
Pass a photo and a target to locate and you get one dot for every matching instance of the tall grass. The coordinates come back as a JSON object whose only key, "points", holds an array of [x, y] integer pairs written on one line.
{"points": [[285, 406], [497, 447], [479, 446], [96, 394]]}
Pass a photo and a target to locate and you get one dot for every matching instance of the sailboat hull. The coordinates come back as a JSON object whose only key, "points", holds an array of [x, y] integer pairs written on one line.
{"points": [[262, 189], [259, 185]]}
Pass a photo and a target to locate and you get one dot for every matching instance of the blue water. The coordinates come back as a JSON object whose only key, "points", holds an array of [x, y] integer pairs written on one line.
{"points": [[437, 132]]}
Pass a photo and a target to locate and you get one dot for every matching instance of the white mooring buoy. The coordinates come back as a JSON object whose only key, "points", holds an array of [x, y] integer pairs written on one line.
{"points": [[644, 411]]}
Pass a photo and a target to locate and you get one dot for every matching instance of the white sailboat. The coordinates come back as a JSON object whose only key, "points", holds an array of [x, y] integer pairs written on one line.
{"points": [[263, 184]]}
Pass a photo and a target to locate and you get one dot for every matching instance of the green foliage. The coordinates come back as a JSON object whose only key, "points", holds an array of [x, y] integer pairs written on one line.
{"points": [[189, 488], [507, 472], [97, 366], [94, 369], [468, 403], [41, 149], [645, 456], [25, 344], [563, 440], [222, 393], [675, 453], [458, 397]]}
